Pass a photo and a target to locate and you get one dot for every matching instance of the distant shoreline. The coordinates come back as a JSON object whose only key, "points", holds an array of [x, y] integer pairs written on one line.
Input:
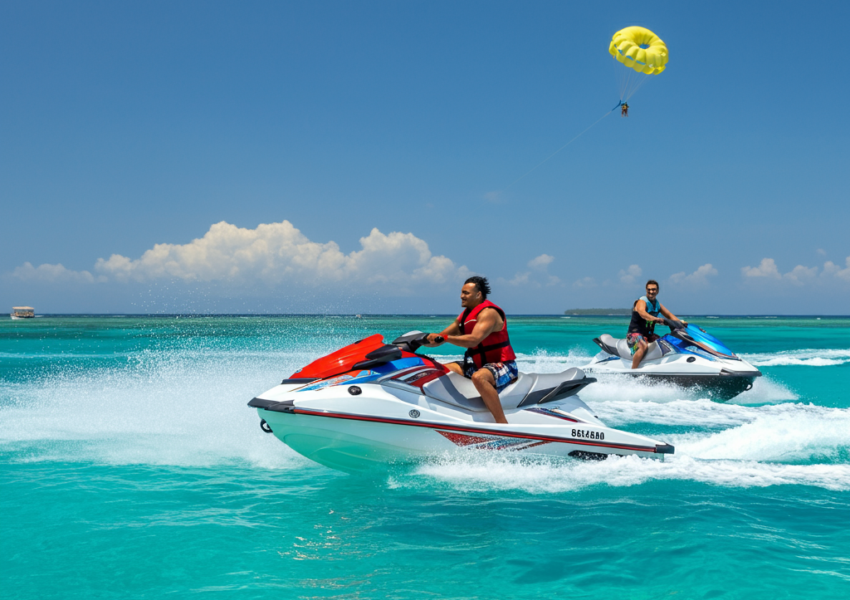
{"points": [[599, 312]]}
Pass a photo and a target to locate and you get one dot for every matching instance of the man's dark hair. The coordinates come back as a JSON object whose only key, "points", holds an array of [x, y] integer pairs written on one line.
{"points": [[650, 282], [481, 284]]}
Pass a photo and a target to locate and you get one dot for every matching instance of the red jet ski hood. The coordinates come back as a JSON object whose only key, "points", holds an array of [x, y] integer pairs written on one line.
{"points": [[365, 354]]}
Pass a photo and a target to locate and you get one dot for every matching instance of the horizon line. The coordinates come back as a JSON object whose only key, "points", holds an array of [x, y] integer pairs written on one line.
{"points": [[428, 315]]}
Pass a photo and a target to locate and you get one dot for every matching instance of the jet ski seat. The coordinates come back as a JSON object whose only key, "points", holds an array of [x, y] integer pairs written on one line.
{"points": [[619, 347], [528, 389], [460, 391]]}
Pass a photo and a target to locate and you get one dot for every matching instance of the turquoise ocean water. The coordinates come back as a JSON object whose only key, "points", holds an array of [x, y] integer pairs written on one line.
{"points": [[131, 467]]}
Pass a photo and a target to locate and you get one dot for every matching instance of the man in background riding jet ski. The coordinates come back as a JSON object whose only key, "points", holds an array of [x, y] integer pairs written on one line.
{"points": [[482, 329], [644, 317]]}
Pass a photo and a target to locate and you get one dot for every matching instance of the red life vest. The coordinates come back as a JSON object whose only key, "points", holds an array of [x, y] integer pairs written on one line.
{"points": [[496, 347]]}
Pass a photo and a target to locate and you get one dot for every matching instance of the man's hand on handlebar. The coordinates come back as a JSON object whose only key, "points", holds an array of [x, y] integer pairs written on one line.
{"points": [[435, 339], [671, 323]]}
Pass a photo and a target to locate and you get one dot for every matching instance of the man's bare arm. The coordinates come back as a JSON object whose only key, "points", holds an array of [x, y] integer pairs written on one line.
{"points": [[670, 315], [453, 329], [488, 321]]}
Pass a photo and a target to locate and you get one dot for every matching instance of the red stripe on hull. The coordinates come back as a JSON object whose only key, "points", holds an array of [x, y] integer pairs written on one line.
{"points": [[464, 440]]}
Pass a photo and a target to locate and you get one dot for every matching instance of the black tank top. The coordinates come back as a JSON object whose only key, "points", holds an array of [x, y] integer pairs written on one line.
{"points": [[641, 325]]}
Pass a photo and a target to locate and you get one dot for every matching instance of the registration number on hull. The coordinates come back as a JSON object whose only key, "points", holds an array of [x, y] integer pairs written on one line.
{"points": [[588, 435]]}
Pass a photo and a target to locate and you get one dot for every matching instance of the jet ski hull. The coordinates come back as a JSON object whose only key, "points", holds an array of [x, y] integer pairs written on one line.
{"points": [[356, 443], [718, 387]]}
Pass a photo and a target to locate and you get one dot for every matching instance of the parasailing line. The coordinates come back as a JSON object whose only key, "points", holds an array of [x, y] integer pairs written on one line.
{"points": [[562, 147], [639, 55]]}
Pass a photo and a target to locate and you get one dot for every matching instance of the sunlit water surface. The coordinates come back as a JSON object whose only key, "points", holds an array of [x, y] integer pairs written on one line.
{"points": [[130, 466]]}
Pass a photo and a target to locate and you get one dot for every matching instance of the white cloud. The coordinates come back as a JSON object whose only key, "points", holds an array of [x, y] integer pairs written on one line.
{"points": [[799, 275], [274, 253], [698, 278], [53, 274], [538, 277], [541, 262], [830, 269], [630, 275], [821, 251], [520, 279], [766, 270], [585, 282]]}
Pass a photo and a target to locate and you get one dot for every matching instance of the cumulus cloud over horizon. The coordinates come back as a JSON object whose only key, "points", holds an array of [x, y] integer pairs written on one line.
{"points": [[767, 270], [537, 277], [272, 254], [833, 270], [629, 276], [541, 262], [698, 278], [53, 273]]}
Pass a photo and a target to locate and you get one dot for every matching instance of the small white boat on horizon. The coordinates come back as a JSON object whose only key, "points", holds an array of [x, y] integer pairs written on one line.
{"points": [[22, 312]]}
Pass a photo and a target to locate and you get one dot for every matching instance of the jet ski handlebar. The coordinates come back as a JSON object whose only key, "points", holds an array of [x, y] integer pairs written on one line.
{"points": [[674, 325], [411, 341]]}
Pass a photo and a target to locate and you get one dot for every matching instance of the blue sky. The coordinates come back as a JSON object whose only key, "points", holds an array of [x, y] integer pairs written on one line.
{"points": [[358, 157]]}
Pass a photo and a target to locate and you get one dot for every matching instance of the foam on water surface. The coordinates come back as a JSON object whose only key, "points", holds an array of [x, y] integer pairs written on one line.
{"points": [[731, 446], [802, 358], [170, 408], [477, 474]]}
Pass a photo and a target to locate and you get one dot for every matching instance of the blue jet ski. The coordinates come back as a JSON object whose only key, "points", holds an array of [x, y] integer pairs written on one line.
{"points": [[688, 356]]}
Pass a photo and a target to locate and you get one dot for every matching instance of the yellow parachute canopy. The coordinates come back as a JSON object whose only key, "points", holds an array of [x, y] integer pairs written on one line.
{"points": [[639, 49]]}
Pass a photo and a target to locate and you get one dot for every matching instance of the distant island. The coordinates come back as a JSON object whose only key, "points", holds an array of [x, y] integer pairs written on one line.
{"points": [[606, 312]]}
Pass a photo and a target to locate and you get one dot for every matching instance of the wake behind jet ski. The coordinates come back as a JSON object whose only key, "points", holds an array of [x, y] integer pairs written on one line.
{"points": [[687, 356], [373, 403]]}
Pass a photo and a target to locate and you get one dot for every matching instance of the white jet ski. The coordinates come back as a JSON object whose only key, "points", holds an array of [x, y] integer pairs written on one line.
{"points": [[687, 356], [373, 403]]}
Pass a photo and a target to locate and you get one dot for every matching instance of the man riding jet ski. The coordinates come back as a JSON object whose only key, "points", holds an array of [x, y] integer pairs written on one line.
{"points": [[373, 403], [645, 313], [482, 329], [687, 356]]}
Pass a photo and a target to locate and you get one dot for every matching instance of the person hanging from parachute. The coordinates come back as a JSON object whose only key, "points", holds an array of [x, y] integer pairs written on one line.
{"points": [[642, 53]]}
